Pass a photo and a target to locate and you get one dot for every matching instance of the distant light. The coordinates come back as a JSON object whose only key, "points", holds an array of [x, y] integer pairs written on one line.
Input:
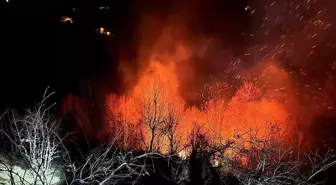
{"points": [[66, 19], [104, 31], [104, 7], [7, 1], [101, 30]]}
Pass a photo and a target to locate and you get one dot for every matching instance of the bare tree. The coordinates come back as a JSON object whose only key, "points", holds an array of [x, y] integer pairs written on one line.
{"points": [[215, 116], [109, 165], [266, 159], [178, 170], [38, 156], [36, 143], [152, 111], [283, 167], [174, 117], [180, 174], [120, 118]]}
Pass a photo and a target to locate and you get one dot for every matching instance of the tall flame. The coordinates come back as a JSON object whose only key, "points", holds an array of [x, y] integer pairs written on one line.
{"points": [[158, 88]]}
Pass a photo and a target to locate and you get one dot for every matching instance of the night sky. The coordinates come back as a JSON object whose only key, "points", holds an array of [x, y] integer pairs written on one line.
{"points": [[39, 51]]}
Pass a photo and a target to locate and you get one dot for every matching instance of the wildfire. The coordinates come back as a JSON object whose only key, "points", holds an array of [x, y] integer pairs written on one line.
{"points": [[155, 112], [153, 115], [156, 98]]}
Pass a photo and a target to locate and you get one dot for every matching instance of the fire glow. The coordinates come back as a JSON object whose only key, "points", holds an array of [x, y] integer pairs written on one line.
{"points": [[265, 99], [166, 99], [220, 118], [156, 97]]}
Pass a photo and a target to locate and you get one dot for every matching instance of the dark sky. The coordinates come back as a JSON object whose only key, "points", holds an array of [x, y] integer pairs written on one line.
{"points": [[38, 51]]}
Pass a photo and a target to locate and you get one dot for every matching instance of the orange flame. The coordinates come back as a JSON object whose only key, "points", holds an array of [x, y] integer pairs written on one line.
{"points": [[221, 119]]}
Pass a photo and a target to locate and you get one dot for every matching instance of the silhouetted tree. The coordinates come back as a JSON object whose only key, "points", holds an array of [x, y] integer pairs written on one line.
{"points": [[152, 111]]}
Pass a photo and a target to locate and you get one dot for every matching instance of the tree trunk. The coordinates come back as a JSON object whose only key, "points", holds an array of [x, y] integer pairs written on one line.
{"points": [[172, 144], [151, 142]]}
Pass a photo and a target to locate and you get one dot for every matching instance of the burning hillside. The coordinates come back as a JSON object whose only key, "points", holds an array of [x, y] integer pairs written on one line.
{"points": [[156, 103], [182, 79]]}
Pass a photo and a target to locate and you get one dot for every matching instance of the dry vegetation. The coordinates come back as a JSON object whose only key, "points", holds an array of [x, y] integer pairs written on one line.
{"points": [[34, 152]]}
